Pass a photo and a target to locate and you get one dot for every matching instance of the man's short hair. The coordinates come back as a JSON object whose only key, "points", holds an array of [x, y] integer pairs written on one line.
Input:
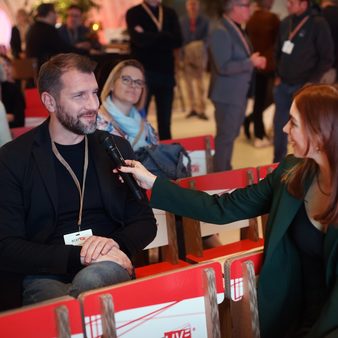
{"points": [[44, 9], [228, 5], [49, 79], [75, 7]]}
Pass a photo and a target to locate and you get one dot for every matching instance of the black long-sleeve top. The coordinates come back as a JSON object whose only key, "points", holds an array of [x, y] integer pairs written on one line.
{"points": [[153, 48], [15, 42], [312, 54]]}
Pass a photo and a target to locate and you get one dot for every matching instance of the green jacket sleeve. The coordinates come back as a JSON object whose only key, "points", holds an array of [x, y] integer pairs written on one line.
{"points": [[243, 203]]}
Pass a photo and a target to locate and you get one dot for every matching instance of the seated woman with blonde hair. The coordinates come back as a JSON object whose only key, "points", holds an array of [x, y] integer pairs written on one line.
{"points": [[123, 97]]}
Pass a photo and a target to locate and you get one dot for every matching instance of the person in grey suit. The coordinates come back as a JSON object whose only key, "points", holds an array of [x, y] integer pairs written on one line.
{"points": [[232, 63]]}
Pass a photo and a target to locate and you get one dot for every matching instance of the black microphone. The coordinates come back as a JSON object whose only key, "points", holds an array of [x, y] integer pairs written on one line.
{"points": [[117, 158]]}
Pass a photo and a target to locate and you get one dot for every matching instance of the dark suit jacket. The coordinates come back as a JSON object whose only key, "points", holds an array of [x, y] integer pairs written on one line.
{"points": [[231, 67], [83, 34], [279, 288], [29, 204]]}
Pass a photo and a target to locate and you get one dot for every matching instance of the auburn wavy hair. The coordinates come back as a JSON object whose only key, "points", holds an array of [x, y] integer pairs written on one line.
{"points": [[318, 109]]}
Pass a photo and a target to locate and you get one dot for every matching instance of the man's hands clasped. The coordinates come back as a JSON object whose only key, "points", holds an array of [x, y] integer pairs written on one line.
{"points": [[98, 249]]}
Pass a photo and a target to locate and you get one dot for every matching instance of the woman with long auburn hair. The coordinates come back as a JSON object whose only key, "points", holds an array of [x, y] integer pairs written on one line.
{"points": [[298, 283]]}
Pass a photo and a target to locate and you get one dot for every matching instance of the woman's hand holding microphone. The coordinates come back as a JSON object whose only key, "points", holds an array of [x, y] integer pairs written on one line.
{"points": [[144, 178]]}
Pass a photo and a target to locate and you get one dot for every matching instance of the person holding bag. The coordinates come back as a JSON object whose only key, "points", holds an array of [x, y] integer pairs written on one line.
{"points": [[123, 97]]}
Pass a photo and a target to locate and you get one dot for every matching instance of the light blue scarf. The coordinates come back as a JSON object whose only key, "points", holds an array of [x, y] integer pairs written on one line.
{"points": [[130, 124]]}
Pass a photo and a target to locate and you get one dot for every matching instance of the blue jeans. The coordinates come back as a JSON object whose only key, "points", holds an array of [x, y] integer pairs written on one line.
{"points": [[37, 288], [283, 95]]}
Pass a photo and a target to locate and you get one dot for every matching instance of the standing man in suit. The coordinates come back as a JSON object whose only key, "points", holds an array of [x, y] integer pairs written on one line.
{"points": [[75, 33], [155, 34], [232, 63], [67, 223]]}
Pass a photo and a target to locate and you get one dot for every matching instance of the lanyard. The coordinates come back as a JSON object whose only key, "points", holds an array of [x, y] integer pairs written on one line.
{"points": [[72, 174], [158, 22], [240, 34], [293, 33]]}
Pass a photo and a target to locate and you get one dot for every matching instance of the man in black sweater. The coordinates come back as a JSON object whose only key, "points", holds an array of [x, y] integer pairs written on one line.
{"points": [[154, 35], [67, 223], [304, 53]]}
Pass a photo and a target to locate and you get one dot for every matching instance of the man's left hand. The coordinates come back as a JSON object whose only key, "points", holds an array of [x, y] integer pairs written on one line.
{"points": [[94, 246]]}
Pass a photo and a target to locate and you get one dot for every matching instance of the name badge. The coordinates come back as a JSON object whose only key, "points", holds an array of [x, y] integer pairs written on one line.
{"points": [[77, 238], [287, 47]]}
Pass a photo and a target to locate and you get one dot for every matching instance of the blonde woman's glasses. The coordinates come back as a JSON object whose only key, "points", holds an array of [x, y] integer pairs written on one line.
{"points": [[128, 81]]}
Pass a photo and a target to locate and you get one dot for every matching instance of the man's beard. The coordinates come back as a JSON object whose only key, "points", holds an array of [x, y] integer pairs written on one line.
{"points": [[74, 124]]}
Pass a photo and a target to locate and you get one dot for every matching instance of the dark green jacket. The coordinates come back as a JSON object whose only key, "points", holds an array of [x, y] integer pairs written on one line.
{"points": [[279, 289]]}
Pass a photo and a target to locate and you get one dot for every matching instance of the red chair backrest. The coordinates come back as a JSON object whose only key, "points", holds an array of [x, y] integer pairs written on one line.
{"points": [[264, 170], [232, 179], [34, 106], [40, 320], [155, 306], [16, 132], [200, 149], [193, 143]]}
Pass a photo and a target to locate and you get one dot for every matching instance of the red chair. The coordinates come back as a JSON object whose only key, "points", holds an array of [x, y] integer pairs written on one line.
{"points": [[264, 170], [200, 149], [60, 317], [240, 274], [194, 230], [182, 303], [18, 131], [34, 106]]}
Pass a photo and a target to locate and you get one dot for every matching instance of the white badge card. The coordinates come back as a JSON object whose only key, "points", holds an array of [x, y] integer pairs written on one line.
{"points": [[77, 238], [287, 47]]}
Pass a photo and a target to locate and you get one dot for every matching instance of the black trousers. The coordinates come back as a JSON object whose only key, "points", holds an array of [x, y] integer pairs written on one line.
{"points": [[164, 95], [262, 99]]}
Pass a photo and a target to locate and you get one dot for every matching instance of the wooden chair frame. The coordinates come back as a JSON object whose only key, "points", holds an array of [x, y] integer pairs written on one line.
{"points": [[192, 228]]}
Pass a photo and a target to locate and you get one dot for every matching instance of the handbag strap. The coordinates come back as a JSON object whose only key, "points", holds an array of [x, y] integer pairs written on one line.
{"points": [[137, 137]]}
